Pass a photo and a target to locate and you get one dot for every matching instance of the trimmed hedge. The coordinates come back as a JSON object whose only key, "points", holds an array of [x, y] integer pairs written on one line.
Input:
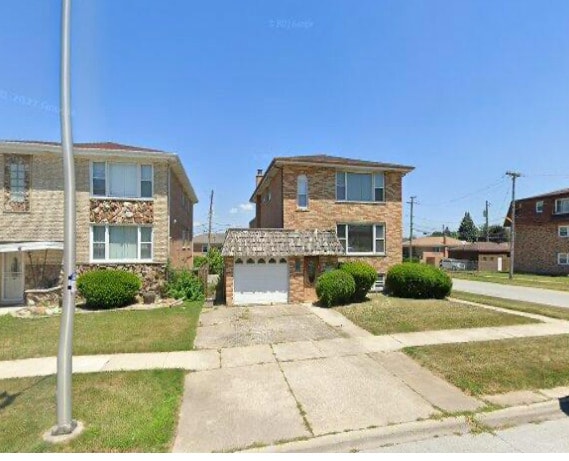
{"points": [[420, 281], [335, 287], [108, 288], [364, 276]]}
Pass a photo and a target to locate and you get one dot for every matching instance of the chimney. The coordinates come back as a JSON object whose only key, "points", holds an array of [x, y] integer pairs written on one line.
{"points": [[259, 176]]}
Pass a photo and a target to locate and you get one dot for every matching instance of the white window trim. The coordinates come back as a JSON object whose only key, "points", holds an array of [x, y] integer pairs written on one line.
{"points": [[373, 253], [373, 187], [539, 206], [107, 196], [559, 200], [559, 263], [92, 260], [559, 231]]}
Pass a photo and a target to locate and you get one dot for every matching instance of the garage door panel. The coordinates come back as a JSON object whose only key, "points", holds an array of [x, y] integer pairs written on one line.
{"points": [[260, 283]]}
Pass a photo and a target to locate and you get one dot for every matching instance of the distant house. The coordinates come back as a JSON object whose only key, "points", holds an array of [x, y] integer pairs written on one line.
{"points": [[430, 250], [542, 233], [134, 212], [487, 256], [201, 243], [312, 212]]}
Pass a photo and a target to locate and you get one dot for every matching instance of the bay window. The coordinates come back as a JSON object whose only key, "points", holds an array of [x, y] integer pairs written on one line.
{"points": [[360, 187], [362, 238], [121, 243], [121, 180]]}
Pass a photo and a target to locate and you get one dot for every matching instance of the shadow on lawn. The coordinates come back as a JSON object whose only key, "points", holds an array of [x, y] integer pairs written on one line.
{"points": [[7, 399]]}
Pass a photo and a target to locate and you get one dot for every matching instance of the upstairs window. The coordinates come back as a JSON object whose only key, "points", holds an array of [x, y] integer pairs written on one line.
{"points": [[539, 206], [302, 192], [360, 187], [125, 180], [562, 206], [563, 231]]}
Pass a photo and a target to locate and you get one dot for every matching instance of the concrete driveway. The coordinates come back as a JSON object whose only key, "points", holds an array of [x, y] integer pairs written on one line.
{"points": [[289, 373], [532, 295]]}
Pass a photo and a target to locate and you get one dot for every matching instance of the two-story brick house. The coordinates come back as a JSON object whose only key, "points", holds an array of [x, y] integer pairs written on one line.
{"points": [[542, 233], [134, 210], [299, 201]]}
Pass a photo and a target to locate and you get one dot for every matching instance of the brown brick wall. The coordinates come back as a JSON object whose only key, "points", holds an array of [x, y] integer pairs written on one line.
{"points": [[536, 248], [271, 212], [526, 214], [324, 212], [181, 218], [228, 272]]}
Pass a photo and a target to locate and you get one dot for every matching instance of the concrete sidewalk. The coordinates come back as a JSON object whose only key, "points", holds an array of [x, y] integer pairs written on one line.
{"points": [[210, 359], [518, 293]]}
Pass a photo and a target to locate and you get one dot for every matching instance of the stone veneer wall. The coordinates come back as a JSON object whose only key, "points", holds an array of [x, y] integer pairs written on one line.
{"points": [[9, 204], [152, 276], [121, 212]]}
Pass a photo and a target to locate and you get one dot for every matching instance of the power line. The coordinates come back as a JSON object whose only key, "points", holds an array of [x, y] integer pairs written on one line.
{"points": [[467, 195]]}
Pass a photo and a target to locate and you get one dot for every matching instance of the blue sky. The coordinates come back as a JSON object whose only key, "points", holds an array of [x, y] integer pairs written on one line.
{"points": [[463, 90]]}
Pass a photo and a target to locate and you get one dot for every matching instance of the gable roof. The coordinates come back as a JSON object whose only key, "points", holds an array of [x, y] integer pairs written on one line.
{"points": [[104, 148], [216, 238], [244, 243], [327, 161], [428, 242], [546, 194]]}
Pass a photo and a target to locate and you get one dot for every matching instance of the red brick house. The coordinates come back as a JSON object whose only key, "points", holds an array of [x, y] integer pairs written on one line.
{"points": [[327, 199], [542, 233], [487, 256]]}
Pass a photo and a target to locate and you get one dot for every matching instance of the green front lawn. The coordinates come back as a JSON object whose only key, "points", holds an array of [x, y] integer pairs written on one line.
{"points": [[383, 315], [549, 282], [122, 412], [155, 330], [521, 306], [494, 367]]}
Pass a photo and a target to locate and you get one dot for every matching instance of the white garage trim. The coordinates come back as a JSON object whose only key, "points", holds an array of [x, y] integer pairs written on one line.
{"points": [[260, 281]]}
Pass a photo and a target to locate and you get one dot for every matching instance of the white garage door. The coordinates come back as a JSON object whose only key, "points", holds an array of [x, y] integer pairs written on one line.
{"points": [[260, 282]]}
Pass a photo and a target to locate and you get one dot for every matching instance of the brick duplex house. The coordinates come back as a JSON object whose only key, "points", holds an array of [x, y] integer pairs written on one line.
{"points": [[134, 211], [542, 233], [303, 199]]}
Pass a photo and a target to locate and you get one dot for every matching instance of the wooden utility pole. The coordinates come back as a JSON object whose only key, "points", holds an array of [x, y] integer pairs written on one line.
{"points": [[412, 202], [210, 218], [514, 175], [486, 216]]}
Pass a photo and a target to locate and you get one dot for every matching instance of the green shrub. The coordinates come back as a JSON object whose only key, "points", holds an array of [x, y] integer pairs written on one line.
{"points": [[108, 288], [364, 276], [215, 261], [184, 284], [199, 261], [420, 281], [335, 287]]}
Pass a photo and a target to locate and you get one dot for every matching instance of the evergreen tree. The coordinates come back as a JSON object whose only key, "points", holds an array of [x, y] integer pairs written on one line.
{"points": [[467, 229]]}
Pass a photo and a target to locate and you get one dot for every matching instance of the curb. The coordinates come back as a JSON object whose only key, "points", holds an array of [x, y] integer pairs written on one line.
{"points": [[373, 439]]}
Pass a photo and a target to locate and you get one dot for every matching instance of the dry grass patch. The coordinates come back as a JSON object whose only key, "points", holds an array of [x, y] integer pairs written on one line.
{"points": [[521, 306], [122, 412], [105, 332], [382, 315], [494, 367], [549, 282]]}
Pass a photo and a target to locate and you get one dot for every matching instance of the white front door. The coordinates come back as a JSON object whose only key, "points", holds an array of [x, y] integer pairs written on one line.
{"points": [[260, 282], [12, 277]]}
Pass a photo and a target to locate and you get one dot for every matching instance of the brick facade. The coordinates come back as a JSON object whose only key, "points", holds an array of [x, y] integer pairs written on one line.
{"points": [[537, 241], [40, 216], [324, 212]]}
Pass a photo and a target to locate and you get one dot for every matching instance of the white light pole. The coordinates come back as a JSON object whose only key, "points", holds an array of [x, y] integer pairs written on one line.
{"points": [[65, 423]]}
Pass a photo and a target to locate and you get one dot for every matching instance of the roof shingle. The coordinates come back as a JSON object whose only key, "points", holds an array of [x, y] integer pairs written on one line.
{"points": [[246, 243]]}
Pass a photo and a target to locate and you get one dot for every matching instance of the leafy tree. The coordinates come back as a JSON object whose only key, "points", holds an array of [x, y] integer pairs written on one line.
{"points": [[467, 229], [215, 261]]}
